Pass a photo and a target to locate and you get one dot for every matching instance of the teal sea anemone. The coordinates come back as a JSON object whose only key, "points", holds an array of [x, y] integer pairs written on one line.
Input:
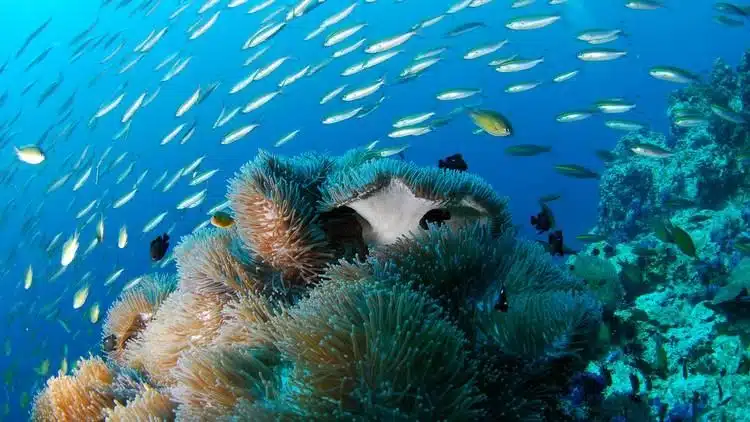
{"points": [[394, 198], [367, 350]]}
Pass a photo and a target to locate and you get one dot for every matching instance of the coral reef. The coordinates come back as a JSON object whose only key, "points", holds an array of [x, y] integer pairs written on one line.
{"points": [[705, 171], [350, 288], [680, 225]]}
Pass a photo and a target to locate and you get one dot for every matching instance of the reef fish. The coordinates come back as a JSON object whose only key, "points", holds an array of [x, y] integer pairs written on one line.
{"points": [[577, 171], [544, 220], [651, 150], [491, 122], [453, 162], [158, 247], [222, 220], [527, 150]]}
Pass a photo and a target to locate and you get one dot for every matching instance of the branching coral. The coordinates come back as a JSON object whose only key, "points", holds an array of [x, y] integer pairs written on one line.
{"points": [[151, 405], [131, 313], [184, 320], [209, 263], [210, 382], [79, 397], [276, 216], [363, 350], [394, 198]]}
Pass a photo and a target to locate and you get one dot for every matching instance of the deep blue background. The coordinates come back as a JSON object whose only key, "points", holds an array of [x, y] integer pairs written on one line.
{"points": [[681, 35]]}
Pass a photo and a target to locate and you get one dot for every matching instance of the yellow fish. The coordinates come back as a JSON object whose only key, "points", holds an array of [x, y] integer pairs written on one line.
{"points": [[222, 220], [491, 122]]}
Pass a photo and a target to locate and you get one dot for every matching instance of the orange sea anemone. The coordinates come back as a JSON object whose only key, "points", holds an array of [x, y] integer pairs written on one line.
{"points": [[208, 264], [131, 313], [150, 405], [245, 320], [184, 320], [82, 396], [211, 381], [276, 218]]}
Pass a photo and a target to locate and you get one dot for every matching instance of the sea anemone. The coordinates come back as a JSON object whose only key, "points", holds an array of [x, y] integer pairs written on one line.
{"points": [[548, 313], [209, 263], [245, 320], [211, 381], [364, 350], [345, 270], [129, 315], [184, 320], [394, 198], [82, 396], [150, 405], [276, 217], [541, 325], [453, 264]]}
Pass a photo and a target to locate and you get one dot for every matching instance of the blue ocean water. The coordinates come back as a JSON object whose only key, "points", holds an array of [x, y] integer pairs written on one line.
{"points": [[682, 34]]}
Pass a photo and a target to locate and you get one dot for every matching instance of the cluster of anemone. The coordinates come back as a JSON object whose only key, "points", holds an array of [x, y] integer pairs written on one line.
{"points": [[349, 288]]}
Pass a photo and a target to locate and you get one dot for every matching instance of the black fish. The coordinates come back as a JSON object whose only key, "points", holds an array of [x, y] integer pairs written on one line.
{"points": [[502, 302], [556, 243], [543, 221], [453, 162], [159, 247], [436, 216], [109, 343]]}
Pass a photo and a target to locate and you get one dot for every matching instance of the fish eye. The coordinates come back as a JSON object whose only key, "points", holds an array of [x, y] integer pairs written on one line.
{"points": [[435, 216]]}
